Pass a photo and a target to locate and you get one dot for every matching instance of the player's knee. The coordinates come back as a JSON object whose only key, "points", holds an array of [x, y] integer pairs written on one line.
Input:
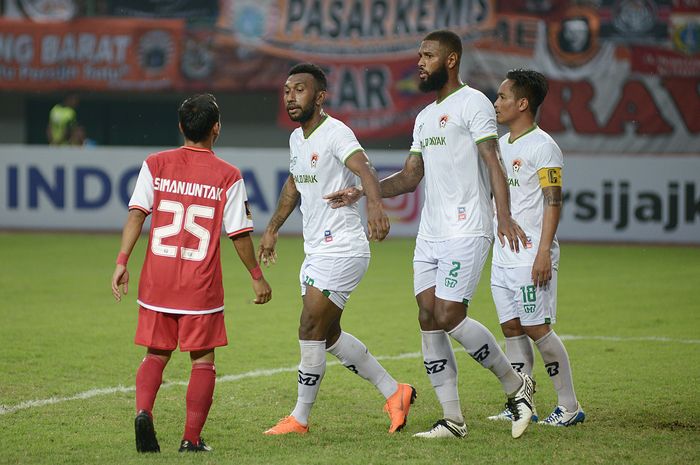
{"points": [[426, 320], [310, 329], [512, 328]]}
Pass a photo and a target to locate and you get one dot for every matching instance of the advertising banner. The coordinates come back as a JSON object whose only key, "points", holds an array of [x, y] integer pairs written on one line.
{"points": [[94, 54], [606, 198]]}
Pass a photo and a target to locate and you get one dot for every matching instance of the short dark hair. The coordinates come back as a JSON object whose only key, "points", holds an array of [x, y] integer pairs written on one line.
{"points": [[448, 39], [314, 70], [529, 84], [198, 115]]}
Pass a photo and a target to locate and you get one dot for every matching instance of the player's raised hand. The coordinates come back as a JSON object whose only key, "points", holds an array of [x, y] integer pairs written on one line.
{"points": [[509, 230], [377, 222], [120, 277], [542, 268], [344, 197], [263, 291], [266, 250]]}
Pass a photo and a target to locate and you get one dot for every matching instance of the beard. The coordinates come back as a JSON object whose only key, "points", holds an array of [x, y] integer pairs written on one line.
{"points": [[305, 114], [435, 80]]}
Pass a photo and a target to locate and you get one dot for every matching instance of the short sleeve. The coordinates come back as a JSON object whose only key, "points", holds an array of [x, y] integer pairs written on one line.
{"points": [[237, 216], [549, 156], [480, 118], [344, 143], [416, 145], [142, 198]]}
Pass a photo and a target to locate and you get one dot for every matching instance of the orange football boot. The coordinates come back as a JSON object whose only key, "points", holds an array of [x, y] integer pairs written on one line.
{"points": [[287, 425], [398, 405]]}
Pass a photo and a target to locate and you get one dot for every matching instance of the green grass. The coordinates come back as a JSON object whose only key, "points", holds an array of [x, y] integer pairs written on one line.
{"points": [[62, 334]]}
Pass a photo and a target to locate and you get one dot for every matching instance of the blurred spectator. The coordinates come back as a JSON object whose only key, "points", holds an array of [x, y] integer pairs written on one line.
{"points": [[79, 137], [62, 121]]}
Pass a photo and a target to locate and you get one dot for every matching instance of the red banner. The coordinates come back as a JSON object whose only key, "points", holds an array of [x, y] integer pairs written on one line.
{"points": [[93, 54], [375, 100]]}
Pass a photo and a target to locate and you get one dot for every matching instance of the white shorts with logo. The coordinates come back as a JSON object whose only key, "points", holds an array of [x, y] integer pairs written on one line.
{"points": [[516, 296], [453, 267], [336, 277]]}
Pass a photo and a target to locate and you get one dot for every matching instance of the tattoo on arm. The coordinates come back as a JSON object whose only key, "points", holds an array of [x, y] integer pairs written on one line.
{"points": [[405, 180], [289, 197], [552, 196]]}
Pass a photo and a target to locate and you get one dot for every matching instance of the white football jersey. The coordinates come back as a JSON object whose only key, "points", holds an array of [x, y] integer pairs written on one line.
{"points": [[523, 158], [457, 187], [317, 163]]}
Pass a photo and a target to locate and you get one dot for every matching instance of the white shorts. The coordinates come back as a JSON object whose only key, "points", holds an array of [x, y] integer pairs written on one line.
{"points": [[516, 296], [453, 267], [336, 277]]}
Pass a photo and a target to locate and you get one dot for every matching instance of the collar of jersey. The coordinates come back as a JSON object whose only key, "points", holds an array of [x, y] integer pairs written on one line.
{"points": [[534, 126], [196, 149], [325, 118], [438, 102]]}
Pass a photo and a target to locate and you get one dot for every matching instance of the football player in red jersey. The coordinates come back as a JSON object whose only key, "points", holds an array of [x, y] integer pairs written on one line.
{"points": [[190, 194]]}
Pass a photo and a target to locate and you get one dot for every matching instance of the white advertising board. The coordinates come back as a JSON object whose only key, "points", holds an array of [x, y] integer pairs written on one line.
{"points": [[620, 198]]}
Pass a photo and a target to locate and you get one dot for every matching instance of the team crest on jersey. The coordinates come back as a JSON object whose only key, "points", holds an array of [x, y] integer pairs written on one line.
{"points": [[461, 213], [443, 121], [528, 244], [328, 237], [517, 163], [314, 160]]}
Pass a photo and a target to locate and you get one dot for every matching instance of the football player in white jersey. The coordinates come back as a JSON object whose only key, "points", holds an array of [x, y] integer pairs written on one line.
{"points": [[524, 285], [326, 156], [455, 148]]}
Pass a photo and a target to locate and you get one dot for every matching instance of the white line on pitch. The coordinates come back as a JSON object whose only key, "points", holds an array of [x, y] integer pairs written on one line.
{"points": [[274, 371]]}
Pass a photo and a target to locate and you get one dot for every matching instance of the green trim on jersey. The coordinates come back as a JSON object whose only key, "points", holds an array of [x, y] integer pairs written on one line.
{"points": [[523, 134], [438, 101], [325, 118], [484, 139], [465, 302], [326, 292], [415, 152], [353, 152]]}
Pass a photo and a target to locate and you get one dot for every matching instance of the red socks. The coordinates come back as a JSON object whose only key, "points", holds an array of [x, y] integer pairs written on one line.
{"points": [[199, 398], [148, 379]]}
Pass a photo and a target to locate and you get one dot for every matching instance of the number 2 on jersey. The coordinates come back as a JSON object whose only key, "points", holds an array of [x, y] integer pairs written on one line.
{"points": [[176, 226]]}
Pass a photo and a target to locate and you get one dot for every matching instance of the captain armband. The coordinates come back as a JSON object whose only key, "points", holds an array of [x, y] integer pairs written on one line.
{"points": [[550, 177]]}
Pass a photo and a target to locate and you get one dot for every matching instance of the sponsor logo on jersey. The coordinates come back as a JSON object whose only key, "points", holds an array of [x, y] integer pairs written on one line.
{"points": [[428, 141], [461, 213], [443, 121], [327, 236], [314, 160], [305, 178], [187, 188], [513, 182]]}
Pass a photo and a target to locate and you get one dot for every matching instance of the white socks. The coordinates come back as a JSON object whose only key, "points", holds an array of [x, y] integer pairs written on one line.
{"points": [[353, 354], [556, 361], [441, 365], [311, 370], [482, 346], [520, 353]]}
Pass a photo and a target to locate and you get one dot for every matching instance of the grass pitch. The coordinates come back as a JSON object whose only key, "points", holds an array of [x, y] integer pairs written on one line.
{"points": [[67, 363]]}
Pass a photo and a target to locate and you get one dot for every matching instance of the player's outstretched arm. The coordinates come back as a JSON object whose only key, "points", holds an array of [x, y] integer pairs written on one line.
{"points": [[508, 228], [246, 252], [289, 197], [401, 182], [377, 221], [130, 234], [542, 267]]}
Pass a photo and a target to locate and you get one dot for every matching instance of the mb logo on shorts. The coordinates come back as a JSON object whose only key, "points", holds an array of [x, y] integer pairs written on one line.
{"points": [[435, 366], [308, 379]]}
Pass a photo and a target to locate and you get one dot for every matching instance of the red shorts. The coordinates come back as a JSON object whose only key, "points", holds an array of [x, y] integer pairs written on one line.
{"points": [[159, 330]]}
